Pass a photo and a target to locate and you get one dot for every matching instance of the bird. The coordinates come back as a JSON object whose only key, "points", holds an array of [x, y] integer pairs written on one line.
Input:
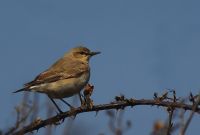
{"points": [[65, 78]]}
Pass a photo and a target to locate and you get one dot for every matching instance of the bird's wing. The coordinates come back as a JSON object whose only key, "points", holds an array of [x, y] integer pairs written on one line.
{"points": [[62, 69]]}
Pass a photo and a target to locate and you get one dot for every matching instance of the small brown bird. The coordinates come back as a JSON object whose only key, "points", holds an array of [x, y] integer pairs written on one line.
{"points": [[65, 78]]}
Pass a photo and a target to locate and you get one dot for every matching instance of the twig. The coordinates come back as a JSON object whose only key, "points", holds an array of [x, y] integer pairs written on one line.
{"points": [[170, 124], [19, 121], [171, 111], [36, 125], [194, 108]]}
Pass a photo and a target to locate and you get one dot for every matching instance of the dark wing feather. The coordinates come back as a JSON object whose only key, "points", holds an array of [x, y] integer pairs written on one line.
{"points": [[62, 69]]}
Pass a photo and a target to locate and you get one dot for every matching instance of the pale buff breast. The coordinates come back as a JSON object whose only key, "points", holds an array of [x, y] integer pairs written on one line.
{"points": [[63, 88]]}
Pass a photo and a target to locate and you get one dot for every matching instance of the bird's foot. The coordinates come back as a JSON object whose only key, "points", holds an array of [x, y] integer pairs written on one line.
{"points": [[72, 108], [60, 112]]}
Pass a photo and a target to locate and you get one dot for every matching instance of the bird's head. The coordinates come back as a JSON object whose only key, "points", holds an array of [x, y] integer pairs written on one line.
{"points": [[82, 53]]}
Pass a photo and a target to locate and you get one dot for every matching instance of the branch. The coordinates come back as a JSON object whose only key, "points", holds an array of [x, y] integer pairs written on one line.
{"points": [[195, 106], [171, 111], [121, 103], [23, 111]]}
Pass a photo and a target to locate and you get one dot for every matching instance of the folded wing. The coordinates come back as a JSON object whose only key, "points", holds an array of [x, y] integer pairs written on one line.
{"points": [[62, 69]]}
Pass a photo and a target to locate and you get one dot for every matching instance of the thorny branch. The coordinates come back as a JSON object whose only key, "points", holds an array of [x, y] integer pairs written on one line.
{"points": [[23, 111], [194, 108], [120, 103], [171, 111], [18, 122]]}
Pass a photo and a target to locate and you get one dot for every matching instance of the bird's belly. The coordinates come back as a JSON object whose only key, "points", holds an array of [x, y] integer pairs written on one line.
{"points": [[64, 88]]}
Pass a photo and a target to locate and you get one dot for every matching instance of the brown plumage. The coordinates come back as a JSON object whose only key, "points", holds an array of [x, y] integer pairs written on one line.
{"points": [[65, 77]]}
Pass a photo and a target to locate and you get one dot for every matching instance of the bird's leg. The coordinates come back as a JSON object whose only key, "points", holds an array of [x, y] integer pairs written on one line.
{"points": [[56, 105], [66, 103], [80, 97]]}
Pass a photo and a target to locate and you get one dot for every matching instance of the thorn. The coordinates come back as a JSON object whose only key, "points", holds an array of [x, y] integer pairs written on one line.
{"points": [[117, 98], [164, 96], [120, 98], [96, 113], [191, 98], [155, 95]]}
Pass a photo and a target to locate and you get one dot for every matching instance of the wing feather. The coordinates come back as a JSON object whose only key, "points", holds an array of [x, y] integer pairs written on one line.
{"points": [[62, 69]]}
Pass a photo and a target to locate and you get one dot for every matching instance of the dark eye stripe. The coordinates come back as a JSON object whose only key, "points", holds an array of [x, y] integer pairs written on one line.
{"points": [[82, 53]]}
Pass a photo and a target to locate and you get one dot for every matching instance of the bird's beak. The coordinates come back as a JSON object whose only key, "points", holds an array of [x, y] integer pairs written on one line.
{"points": [[94, 53]]}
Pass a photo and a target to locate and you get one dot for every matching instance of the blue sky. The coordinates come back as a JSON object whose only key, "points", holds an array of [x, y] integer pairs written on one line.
{"points": [[147, 46]]}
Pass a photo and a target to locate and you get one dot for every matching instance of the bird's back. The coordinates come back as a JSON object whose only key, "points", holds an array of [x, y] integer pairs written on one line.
{"points": [[62, 69]]}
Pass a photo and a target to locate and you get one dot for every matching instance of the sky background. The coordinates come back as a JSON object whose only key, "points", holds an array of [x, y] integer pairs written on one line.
{"points": [[147, 46]]}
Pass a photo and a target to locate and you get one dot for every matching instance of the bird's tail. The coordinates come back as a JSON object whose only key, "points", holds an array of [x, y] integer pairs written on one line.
{"points": [[23, 89]]}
